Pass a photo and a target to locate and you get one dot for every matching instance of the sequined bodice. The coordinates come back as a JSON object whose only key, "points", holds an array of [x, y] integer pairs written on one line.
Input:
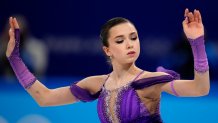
{"points": [[122, 105]]}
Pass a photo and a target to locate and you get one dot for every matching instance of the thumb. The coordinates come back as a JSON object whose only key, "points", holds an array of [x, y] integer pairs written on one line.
{"points": [[11, 34]]}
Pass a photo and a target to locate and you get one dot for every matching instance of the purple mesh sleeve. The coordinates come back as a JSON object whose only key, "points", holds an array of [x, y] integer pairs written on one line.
{"points": [[25, 77], [199, 53]]}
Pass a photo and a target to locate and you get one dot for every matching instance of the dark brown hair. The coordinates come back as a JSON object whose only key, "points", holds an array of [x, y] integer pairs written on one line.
{"points": [[104, 34]]}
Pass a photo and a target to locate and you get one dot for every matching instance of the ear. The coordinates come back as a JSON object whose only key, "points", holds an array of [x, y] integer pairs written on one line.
{"points": [[106, 50]]}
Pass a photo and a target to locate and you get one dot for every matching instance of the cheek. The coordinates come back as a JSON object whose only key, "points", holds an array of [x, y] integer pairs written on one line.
{"points": [[117, 51], [113, 50], [138, 45]]}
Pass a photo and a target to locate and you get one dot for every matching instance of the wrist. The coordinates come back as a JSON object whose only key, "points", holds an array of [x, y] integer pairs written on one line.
{"points": [[199, 53], [197, 41], [24, 76]]}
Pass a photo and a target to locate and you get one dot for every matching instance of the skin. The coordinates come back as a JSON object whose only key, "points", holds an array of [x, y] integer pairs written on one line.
{"points": [[123, 38]]}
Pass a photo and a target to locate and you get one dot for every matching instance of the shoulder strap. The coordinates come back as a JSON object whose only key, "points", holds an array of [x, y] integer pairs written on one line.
{"points": [[138, 75], [106, 79]]}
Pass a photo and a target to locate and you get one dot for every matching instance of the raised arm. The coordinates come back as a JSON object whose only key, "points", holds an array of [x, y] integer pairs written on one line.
{"points": [[41, 94], [200, 85]]}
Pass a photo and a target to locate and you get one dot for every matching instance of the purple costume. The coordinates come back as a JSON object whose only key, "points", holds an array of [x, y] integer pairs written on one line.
{"points": [[123, 104]]}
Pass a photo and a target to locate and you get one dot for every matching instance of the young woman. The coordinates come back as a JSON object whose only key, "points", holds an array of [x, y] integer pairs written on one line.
{"points": [[128, 93]]}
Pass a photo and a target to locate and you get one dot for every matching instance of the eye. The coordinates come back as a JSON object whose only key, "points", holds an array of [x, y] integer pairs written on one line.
{"points": [[119, 41], [134, 37]]}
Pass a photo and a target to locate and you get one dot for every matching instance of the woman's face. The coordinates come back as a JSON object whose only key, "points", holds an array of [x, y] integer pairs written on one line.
{"points": [[124, 44]]}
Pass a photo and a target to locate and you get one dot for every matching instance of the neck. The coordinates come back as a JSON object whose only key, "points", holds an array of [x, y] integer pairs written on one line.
{"points": [[120, 71]]}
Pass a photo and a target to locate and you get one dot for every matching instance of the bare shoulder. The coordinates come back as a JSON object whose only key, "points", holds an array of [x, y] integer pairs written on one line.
{"points": [[92, 83]]}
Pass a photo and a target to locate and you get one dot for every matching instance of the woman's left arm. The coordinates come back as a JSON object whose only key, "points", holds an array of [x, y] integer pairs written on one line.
{"points": [[200, 86]]}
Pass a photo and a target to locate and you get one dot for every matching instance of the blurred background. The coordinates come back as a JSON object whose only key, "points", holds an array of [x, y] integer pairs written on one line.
{"points": [[60, 44]]}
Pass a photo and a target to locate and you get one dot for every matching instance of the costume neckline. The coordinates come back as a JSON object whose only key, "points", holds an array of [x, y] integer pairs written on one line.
{"points": [[118, 88], [123, 86], [130, 83]]}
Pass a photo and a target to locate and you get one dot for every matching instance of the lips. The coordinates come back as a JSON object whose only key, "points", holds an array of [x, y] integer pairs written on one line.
{"points": [[131, 52]]}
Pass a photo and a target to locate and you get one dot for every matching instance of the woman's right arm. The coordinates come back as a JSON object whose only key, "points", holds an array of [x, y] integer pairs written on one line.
{"points": [[61, 96], [42, 95], [51, 97]]}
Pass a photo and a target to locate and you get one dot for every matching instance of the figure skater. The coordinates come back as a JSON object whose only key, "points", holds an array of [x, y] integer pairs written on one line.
{"points": [[128, 93]]}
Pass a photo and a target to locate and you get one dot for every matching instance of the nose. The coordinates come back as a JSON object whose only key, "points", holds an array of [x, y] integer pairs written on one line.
{"points": [[129, 44]]}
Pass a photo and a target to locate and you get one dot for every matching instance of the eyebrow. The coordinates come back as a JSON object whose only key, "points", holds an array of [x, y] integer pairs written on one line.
{"points": [[120, 36]]}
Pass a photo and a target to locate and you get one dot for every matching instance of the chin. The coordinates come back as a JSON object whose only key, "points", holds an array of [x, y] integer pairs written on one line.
{"points": [[132, 60]]}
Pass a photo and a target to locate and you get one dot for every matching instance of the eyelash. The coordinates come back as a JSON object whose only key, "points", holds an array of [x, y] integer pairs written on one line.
{"points": [[121, 41], [134, 38]]}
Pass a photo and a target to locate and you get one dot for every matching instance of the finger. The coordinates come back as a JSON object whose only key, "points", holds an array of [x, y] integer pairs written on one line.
{"points": [[190, 17], [186, 12], [16, 25], [185, 23], [199, 17], [195, 16], [11, 30], [11, 23]]}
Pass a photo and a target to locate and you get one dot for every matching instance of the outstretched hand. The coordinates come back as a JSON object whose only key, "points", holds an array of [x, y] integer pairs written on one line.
{"points": [[192, 25], [11, 44]]}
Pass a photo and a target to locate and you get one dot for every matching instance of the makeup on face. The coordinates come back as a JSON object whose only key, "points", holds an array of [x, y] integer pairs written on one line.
{"points": [[120, 38], [131, 53]]}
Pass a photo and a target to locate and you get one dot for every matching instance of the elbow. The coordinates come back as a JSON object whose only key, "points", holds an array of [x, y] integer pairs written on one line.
{"points": [[45, 103], [204, 91], [42, 103], [202, 88], [44, 100]]}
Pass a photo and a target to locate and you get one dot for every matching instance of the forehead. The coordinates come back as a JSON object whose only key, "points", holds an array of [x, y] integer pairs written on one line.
{"points": [[122, 29]]}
